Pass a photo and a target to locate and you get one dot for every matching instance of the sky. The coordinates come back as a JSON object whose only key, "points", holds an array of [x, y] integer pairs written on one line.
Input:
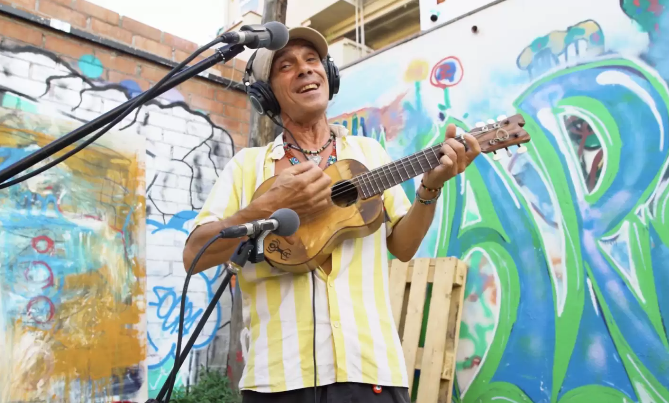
{"points": [[195, 20]]}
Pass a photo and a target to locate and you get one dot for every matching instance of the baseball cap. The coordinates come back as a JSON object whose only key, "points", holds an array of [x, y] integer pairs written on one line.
{"points": [[262, 63]]}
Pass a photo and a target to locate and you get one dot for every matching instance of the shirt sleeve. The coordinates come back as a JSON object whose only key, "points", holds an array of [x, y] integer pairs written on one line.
{"points": [[225, 197], [395, 201]]}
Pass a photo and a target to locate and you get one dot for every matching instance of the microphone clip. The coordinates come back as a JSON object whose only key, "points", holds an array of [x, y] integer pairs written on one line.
{"points": [[250, 250]]}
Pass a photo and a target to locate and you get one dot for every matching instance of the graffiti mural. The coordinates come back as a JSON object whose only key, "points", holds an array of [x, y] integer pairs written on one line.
{"points": [[157, 193], [568, 243]]}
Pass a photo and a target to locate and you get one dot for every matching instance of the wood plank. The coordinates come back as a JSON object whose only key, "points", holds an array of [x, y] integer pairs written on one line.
{"points": [[437, 326], [414, 315], [398, 280], [453, 332]]}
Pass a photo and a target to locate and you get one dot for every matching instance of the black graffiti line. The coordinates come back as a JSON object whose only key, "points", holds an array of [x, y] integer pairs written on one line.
{"points": [[160, 211], [75, 74]]}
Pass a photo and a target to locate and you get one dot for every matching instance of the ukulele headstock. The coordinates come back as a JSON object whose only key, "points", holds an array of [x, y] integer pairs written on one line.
{"points": [[500, 134]]}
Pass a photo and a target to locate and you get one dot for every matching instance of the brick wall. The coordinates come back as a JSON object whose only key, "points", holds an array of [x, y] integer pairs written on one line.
{"points": [[94, 61]]}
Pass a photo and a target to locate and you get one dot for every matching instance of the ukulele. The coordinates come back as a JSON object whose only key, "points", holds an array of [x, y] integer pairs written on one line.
{"points": [[357, 208]]}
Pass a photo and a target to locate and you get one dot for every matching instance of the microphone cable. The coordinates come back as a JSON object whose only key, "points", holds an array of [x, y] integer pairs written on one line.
{"points": [[177, 357], [138, 101]]}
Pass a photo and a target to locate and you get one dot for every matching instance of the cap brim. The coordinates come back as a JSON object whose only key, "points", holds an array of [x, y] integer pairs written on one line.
{"points": [[262, 63], [312, 36]]}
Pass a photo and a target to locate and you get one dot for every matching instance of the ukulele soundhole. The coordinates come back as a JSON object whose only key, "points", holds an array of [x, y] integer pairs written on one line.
{"points": [[344, 193]]}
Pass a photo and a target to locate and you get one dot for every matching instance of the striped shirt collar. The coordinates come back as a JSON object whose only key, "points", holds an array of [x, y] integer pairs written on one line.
{"points": [[276, 151]]}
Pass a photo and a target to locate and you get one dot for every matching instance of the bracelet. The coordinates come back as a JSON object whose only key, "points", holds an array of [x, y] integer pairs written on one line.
{"points": [[428, 201], [427, 188]]}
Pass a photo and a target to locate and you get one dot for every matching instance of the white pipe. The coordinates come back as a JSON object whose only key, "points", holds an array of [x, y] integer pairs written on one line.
{"points": [[362, 22], [357, 36]]}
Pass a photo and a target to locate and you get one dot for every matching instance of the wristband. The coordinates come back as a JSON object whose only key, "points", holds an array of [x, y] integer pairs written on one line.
{"points": [[428, 201], [427, 188]]}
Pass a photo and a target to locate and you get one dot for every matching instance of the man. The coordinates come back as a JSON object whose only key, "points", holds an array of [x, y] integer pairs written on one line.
{"points": [[357, 350]]}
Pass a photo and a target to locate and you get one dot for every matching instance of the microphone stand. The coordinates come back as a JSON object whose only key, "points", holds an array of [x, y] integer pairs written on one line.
{"points": [[249, 250], [222, 54]]}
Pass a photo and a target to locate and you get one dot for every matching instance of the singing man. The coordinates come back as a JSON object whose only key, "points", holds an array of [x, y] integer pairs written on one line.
{"points": [[353, 339]]}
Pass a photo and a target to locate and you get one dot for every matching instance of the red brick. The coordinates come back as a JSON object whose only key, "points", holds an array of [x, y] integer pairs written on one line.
{"points": [[140, 29], [98, 12], [66, 3], [199, 102], [62, 13], [179, 43], [195, 86], [233, 98], [29, 5], [243, 115], [153, 47], [20, 32], [111, 61], [232, 126], [66, 47], [111, 31], [152, 74]]}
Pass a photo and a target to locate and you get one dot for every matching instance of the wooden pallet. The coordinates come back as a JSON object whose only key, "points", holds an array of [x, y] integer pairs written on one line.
{"points": [[408, 288]]}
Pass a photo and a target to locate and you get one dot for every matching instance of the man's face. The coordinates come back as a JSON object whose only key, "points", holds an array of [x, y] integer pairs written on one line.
{"points": [[299, 81]]}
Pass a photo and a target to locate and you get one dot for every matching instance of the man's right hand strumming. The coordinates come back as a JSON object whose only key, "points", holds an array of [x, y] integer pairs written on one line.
{"points": [[303, 188]]}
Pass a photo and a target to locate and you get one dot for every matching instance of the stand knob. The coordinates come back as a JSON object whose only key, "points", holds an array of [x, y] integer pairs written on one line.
{"points": [[521, 149]]}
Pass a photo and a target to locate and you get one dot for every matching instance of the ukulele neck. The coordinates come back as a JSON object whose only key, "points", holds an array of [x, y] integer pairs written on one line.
{"points": [[385, 177], [491, 137]]}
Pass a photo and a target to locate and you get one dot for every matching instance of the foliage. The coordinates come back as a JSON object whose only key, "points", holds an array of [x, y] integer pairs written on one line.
{"points": [[212, 387]]}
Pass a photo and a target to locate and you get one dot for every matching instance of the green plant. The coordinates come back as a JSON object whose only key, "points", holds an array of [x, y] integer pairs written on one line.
{"points": [[212, 387]]}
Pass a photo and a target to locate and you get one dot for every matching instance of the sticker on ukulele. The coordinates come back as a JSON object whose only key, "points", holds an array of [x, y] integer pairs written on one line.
{"points": [[274, 246]]}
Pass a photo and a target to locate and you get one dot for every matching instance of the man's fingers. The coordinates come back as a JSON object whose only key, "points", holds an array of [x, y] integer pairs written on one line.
{"points": [[473, 146], [459, 149], [301, 167], [450, 131], [449, 152], [312, 173]]}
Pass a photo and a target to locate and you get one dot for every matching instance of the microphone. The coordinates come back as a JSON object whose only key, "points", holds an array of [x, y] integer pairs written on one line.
{"points": [[273, 36], [283, 222]]}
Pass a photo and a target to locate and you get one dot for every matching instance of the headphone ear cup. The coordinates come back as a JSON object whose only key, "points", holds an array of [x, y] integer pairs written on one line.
{"points": [[269, 101], [333, 76]]}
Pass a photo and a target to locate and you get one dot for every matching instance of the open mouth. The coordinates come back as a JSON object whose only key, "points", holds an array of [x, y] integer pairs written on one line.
{"points": [[308, 88]]}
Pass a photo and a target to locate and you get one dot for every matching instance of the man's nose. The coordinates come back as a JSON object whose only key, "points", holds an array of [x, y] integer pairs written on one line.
{"points": [[305, 69]]}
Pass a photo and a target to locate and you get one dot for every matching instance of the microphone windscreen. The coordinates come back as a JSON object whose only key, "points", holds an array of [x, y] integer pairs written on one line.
{"points": [[279, 34], [288, 220]]}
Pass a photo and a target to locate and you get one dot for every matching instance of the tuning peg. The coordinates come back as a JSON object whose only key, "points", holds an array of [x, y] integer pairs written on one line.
{"points": [[496, 157], [508, 152], [480, 124], [491, 122], [501, 117], [521, 149]]}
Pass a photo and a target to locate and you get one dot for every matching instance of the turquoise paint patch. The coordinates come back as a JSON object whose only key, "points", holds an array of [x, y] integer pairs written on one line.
{"points": [[12, 101], [90, 66]]}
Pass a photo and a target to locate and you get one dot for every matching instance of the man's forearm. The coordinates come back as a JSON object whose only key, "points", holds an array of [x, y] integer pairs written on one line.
{"points": [[409, 232], [220, 251]]}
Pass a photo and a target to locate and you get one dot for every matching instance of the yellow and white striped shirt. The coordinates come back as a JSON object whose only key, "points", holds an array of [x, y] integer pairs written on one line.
{"points": [[356, 336]]}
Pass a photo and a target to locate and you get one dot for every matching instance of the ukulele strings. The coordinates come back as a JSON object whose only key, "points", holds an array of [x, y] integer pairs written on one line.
{"points": [[376, 173]]}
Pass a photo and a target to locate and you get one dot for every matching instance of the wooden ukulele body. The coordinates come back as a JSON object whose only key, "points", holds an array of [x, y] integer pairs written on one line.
{"points": [[318, 236]]}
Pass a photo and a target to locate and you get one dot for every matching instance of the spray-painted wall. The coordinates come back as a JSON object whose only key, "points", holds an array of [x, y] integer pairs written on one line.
{"points": [[91, 269], [568, 244]]}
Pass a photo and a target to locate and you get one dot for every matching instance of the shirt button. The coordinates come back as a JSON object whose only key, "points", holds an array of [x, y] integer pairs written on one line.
{"points": [[330, 283], [336, 324]]}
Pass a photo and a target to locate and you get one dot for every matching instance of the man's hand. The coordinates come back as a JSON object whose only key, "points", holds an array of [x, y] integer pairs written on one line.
{"points": [[304, 188], [454, 160]]}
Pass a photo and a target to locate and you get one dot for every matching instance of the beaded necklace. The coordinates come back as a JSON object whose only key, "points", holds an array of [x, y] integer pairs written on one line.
{"points": [[312, 155]]}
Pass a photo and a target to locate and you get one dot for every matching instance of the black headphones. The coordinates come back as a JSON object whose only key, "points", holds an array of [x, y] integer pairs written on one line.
{"points": [[261, 94]]}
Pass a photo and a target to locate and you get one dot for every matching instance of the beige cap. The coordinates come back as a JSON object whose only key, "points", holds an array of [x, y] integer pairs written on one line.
{"points": [[262, 64]]}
